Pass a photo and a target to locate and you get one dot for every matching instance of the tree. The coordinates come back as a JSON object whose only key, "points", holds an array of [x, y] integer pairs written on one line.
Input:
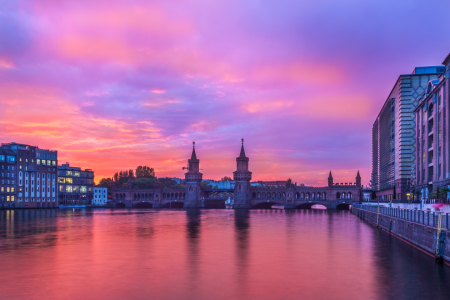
{"points": [[206, 184], [106, 182], [145, 172], [443, 192], [225, 178], [144, 183], [167, 183], [418, 193]]}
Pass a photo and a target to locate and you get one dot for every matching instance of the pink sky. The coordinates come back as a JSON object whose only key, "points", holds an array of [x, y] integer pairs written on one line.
{"points": [[116, 84]]}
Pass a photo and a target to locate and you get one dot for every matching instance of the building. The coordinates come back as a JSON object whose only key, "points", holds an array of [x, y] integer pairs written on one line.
{"points": [[394, 135], [8, 178], [100, 196], [282, 183], [221, 184], [244, 194], [76, 186], [433, 139], [33, 177]]}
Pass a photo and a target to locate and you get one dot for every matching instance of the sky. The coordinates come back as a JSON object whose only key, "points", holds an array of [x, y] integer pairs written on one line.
{"points": [[116, 84]]}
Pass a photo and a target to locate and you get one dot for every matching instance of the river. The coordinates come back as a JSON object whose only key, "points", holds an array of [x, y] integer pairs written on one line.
{"points": [[208, 254]]}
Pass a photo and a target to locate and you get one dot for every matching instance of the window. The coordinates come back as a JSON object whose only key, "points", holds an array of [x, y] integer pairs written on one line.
{"points": [[12, 189], [83, 189], [2, 158], [10, 159], [68, 188], [69, 173], [38, 161], [76, 174], [69, 180], [49, 162], [43, 162], [54, 162]]}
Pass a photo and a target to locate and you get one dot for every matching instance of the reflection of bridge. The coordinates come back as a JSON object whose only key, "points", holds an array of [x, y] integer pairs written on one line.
{"points": [[244, 195]]}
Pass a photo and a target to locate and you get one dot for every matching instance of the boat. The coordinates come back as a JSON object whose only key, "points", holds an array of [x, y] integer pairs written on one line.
{"points": [[278, 206]]}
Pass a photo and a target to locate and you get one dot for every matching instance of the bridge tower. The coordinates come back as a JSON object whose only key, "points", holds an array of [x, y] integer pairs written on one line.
{"points": [[330, 180], [358, 180], [242, 178], [193, 179]]}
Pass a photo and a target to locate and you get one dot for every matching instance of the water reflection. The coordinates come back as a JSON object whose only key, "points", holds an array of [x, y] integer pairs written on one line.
{"points": [[193, 222], [27, 228], [241, 232], [208, 254]]}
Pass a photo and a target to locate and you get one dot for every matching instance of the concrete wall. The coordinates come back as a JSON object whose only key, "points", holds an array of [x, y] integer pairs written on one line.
{"points": [[422, 236]]}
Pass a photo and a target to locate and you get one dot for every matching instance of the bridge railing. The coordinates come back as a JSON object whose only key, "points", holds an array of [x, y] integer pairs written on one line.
{"points": [[424, 217]]}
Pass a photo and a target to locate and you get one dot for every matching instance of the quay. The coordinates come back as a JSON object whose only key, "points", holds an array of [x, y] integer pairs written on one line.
{"points": [[424, 229]]}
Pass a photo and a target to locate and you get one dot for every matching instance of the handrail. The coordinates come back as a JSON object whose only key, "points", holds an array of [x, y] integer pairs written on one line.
{"points": [[424, 217]]}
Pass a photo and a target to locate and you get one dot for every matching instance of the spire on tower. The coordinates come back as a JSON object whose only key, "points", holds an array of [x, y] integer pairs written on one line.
{"points": [[357, 175], [242, 155], [193, 156], [330, 176]]}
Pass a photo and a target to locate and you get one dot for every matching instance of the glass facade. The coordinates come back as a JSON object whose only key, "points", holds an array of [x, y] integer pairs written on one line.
{"points": [[75, 185]]}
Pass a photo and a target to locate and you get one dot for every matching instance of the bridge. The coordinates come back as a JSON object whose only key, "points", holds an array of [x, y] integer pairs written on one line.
{"points": [[244, 195]]}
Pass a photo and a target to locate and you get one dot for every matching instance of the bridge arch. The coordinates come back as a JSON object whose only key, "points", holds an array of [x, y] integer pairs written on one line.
{"points": [[343, 206], [120, 205], [143, 205], [307, 205], [173, 204], [265, 204]]}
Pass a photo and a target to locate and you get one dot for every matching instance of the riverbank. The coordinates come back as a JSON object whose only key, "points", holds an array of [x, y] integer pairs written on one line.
{"points": [[417, 228]]}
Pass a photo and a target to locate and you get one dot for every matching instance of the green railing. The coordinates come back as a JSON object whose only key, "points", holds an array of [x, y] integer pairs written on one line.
{"points": [[424, 217]]}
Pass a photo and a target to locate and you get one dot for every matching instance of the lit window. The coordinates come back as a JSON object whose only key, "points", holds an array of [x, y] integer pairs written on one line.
{"points": [[38, 161], [68, 188]]}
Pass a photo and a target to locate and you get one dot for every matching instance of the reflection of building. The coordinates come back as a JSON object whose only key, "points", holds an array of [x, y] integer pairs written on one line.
{"points": [[75, 185], [393, 135], [432, 140], [33, 176], [100, 195]]}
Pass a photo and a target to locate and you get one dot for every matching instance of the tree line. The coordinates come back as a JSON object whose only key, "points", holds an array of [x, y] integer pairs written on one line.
{"points": [[142, 178]]}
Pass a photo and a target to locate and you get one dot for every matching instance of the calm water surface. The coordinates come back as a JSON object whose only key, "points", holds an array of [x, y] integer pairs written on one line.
{"points": [[208, 254]]}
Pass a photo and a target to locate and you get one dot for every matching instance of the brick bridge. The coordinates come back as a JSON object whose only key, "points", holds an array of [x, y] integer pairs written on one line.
{"points": [[332, 196]]}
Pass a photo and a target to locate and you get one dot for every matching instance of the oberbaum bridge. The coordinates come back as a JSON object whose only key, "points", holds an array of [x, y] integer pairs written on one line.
{"points": [[333, 196]]}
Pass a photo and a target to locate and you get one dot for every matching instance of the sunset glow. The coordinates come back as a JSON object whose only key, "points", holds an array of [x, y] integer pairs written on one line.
{"points": [[116, 84]]}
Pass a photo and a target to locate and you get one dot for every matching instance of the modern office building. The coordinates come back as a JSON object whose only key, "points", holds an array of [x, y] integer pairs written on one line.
{"points": [[394, 135], [30, 176], [100, 196], [76, 186], [433, 139]]}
